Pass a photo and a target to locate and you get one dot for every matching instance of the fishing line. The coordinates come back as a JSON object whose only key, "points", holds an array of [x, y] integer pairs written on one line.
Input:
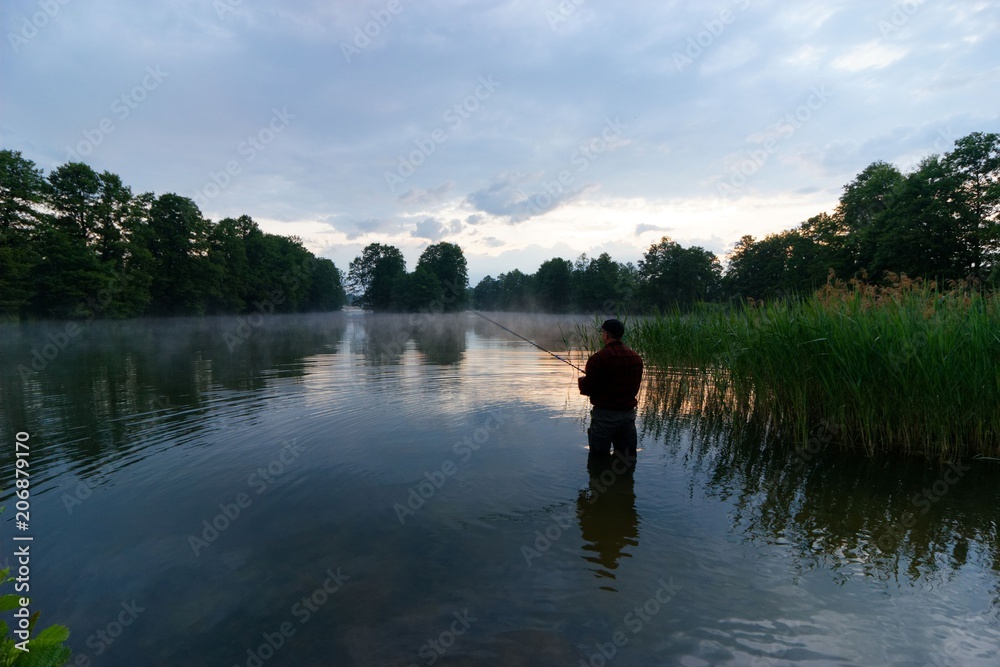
{"points": [[530, 341]]}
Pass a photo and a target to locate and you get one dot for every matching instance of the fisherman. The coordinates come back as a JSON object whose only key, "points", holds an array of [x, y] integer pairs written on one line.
{"points": [[612, 380]]}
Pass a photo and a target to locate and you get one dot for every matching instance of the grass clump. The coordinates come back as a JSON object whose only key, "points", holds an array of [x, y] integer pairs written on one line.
{"points": [[909, 367]]}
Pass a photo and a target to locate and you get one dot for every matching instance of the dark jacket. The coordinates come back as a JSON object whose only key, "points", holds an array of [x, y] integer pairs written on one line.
{"points": [[613, 377]]}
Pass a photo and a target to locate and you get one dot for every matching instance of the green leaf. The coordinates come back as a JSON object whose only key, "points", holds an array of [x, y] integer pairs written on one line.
{"points": [[9, 601], [8, 653], [54, 633], [43, 655]]}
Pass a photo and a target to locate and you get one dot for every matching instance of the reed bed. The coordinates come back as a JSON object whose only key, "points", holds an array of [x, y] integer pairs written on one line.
{"points": [[909, 368]]}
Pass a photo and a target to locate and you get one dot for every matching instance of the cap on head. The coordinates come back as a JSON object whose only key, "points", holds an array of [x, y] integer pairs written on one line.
{"points": [[614, 327]]}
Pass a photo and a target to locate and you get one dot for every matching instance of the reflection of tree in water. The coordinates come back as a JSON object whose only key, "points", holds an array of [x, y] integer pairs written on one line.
{"points": [[380, 339], [384, 338], [606, 511], [441, 338], [882, 518], [114, 375]]}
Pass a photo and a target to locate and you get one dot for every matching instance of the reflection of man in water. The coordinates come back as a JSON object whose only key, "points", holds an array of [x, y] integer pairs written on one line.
{"points": [[606, 510], [612, 380]]}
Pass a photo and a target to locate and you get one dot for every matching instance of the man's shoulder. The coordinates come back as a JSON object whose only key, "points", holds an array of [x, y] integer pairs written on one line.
{"points": [[618, 349], [620, 345]]}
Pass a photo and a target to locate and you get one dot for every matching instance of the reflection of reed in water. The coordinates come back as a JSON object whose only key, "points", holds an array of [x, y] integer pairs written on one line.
{"points": [[849, 514], [606, 511], [702, 401]]}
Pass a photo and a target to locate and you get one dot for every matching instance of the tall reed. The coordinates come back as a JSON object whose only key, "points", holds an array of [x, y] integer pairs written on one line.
{"points": [[910, 367]]}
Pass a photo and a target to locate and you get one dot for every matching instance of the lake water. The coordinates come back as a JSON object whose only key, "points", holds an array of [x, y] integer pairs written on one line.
{"points": [[353, 489]]}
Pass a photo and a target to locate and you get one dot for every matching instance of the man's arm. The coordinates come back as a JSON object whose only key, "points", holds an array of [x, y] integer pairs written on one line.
{"points": [[587, 382]]}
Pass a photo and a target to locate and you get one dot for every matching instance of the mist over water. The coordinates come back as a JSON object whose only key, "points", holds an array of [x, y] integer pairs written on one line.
{"points": [[352, 489]]}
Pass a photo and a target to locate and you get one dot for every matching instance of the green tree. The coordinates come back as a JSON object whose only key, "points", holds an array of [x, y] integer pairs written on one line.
{"points": [[68, 275], [120, 242], [251, 270], [80, 244], [756, 269], [829, 242], [975, 162], [374, 275], [326, 291], [22, 195], [863, 199], [74, 193], [554, 285], [446, 262], [287, 272], [783, 264], [227, 254], [486, 295], [420, 291], [671, 275], [22, 192], [920, 233], [179, 246], [599, 284], [258, 278], [515, 290]]}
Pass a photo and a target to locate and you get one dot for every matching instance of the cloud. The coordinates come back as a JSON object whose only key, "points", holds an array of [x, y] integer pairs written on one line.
{"points": [[526, 259], [370, 226], [713, 243], [506, 199], [418, 196], [434, 230], [645, 229], [901, 145], [498, 162], [871, 55], [730, 56]]}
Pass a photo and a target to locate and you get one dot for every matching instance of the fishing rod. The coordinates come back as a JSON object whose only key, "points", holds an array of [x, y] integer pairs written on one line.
{"points": [[530, 341]]}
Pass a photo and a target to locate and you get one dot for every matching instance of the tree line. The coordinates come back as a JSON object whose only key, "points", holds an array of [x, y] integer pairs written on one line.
{"points": [[81, 244], [667, 274], [78, 243], [379, 282], [940, 221]]}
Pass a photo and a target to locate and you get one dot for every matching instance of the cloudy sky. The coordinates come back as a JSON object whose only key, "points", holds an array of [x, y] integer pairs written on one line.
{"points": [[519, 129]]}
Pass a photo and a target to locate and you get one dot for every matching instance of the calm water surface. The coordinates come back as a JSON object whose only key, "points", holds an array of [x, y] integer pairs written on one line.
{"points": [[361, 490]]}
